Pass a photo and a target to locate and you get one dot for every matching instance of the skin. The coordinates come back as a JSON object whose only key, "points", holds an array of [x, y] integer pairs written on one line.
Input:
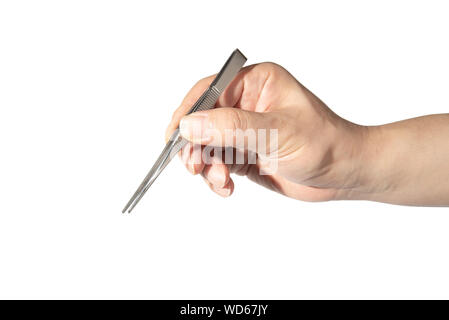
{"points": [[320, 156]]}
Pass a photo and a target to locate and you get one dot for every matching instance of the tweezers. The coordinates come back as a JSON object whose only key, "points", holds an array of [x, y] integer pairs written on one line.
{"points": [[176, 142]]}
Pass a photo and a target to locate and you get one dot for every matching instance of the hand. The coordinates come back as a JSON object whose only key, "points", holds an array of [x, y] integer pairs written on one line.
{"points": [[316, 148], [319, 155]]}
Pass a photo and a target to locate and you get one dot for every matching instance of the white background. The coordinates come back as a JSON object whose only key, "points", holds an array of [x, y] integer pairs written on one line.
{"points": [[86, 91]]}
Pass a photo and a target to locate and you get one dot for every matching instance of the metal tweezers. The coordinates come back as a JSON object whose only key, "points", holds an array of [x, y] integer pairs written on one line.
{"points": [[207, 101]]}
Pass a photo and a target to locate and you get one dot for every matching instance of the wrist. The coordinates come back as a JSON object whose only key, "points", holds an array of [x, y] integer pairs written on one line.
{"points": [[371, 162]]}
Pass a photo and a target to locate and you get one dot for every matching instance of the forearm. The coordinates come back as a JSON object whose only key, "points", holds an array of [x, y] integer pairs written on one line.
{"points": [[405, 162]]}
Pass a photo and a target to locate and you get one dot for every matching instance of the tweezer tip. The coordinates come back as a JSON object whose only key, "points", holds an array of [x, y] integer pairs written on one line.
{"points": [[132, 207], [126, 208]]}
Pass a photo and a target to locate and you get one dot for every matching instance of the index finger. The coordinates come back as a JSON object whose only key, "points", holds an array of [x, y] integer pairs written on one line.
{"points": [[229, 98], [188, 101]]}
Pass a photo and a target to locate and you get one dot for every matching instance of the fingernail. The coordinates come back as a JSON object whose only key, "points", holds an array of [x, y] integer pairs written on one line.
{"points": [[224, 192], [195, 127]]}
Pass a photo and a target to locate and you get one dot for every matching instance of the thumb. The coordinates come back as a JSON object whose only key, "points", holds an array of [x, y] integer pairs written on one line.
{"points": [[227, 127]]}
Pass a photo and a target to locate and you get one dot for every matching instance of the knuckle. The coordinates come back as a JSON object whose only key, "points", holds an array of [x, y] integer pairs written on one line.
{"points": [[272, 69], [271, 66], [199, 83], [178, 114], [238, 119], [203, 82]]}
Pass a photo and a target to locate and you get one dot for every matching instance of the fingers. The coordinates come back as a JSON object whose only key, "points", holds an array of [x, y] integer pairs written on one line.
{"points": [[228, 127], [231, 96], [217, 177], [191, 157], [217, 173], [250, 91], [225, 191]]}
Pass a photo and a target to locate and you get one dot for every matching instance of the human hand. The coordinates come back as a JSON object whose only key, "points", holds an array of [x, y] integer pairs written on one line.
{"points": [[317, 151]]}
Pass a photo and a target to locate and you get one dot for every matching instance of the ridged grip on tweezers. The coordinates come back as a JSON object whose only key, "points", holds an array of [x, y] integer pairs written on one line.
{"points": [[206, 101], [210, 96]]}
